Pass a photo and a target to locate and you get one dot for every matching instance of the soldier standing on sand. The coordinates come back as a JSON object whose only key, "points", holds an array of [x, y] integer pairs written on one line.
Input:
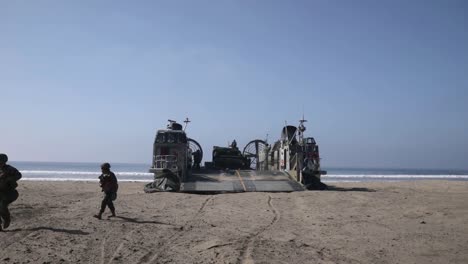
{"points": [[9, 175], [109, 185]]}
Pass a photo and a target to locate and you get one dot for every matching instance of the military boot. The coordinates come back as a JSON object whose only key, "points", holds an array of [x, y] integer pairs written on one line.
{"points": [[98, 216], [6, 222]]}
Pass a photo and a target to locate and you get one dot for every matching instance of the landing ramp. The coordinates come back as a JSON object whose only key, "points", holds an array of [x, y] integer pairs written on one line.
{"points": [[240, 181]]}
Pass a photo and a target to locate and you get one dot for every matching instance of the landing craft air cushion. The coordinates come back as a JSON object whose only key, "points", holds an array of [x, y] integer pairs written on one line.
{"points": [[290, 164]]}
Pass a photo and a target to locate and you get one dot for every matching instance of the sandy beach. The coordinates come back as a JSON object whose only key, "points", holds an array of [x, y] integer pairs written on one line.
{"points": [[392, 222]]}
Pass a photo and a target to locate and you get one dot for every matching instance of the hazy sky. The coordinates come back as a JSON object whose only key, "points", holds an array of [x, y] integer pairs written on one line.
{"points": [[382, 83]]}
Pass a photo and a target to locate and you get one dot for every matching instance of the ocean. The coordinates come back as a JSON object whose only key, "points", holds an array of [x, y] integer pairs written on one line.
{"points": [[74, 171]]}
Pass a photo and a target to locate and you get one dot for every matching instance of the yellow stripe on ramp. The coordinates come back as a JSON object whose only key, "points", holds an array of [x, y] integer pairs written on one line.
{"points": [[241, 181]]}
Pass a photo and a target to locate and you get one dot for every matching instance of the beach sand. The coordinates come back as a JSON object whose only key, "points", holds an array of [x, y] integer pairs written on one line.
{"points": [[392, 222]]}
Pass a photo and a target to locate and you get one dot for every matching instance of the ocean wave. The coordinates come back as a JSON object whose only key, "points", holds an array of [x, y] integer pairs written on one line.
{"points": [[397, 176], [129, 176], [79, 179], [41, 172]]}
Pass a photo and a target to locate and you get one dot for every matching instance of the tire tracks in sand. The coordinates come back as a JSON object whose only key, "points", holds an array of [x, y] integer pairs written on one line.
{"points": [[149, 258], [249, 242], [119, 247], [17, 238], [103, 251]]}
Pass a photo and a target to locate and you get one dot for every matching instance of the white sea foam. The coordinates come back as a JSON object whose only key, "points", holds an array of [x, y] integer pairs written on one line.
{"points": [[330, 181], [399, 176], [129, 176], [78, 179], [42, 172]]}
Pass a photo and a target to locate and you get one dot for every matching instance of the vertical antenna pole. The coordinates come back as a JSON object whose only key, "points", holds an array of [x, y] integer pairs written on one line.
{"points": [[186, 121]]}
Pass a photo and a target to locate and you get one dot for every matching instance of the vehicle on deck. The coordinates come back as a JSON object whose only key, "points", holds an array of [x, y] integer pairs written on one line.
{"points": [[229, 158]]}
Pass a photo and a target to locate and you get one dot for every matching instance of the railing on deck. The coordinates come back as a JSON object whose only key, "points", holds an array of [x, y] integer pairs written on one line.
{"points": [[165, 162]]}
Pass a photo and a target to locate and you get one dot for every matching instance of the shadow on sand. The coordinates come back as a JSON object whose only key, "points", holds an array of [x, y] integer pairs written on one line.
{"points": [[61, 230], [355, 189], [136, 221]]}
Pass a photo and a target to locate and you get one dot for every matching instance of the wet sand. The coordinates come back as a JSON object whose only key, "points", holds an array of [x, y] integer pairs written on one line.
{"points": [[395, 222]]}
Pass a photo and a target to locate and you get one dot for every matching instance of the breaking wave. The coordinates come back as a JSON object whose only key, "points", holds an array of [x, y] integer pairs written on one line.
{"points": [[390, 176], [41, 172], [78, 179], [48, 175], [138, 176]]}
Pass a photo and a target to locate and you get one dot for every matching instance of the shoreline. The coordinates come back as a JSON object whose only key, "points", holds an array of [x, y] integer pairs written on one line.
{"points": [[455, 178]]}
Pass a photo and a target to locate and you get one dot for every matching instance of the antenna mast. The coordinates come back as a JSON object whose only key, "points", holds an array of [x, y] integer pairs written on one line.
{"points": [[186, 121], [302, 128]]}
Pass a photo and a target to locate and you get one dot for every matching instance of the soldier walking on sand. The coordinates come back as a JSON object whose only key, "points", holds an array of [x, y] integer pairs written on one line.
{"points": [[9, 175], [109, 185]]}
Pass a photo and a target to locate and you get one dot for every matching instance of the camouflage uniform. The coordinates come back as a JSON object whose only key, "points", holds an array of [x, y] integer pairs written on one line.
{"points": [[109, 186], [8, 194]]}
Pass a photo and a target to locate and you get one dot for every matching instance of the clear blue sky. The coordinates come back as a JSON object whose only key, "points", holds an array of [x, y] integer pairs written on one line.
{"points": [[382, 83]]}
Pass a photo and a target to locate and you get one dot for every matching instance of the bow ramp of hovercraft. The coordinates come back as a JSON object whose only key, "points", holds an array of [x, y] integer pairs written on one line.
{"points": [[207, 181]]}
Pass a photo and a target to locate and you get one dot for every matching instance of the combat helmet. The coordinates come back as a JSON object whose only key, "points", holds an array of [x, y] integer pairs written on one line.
{"points": [[3, 158], [105, 166]]}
